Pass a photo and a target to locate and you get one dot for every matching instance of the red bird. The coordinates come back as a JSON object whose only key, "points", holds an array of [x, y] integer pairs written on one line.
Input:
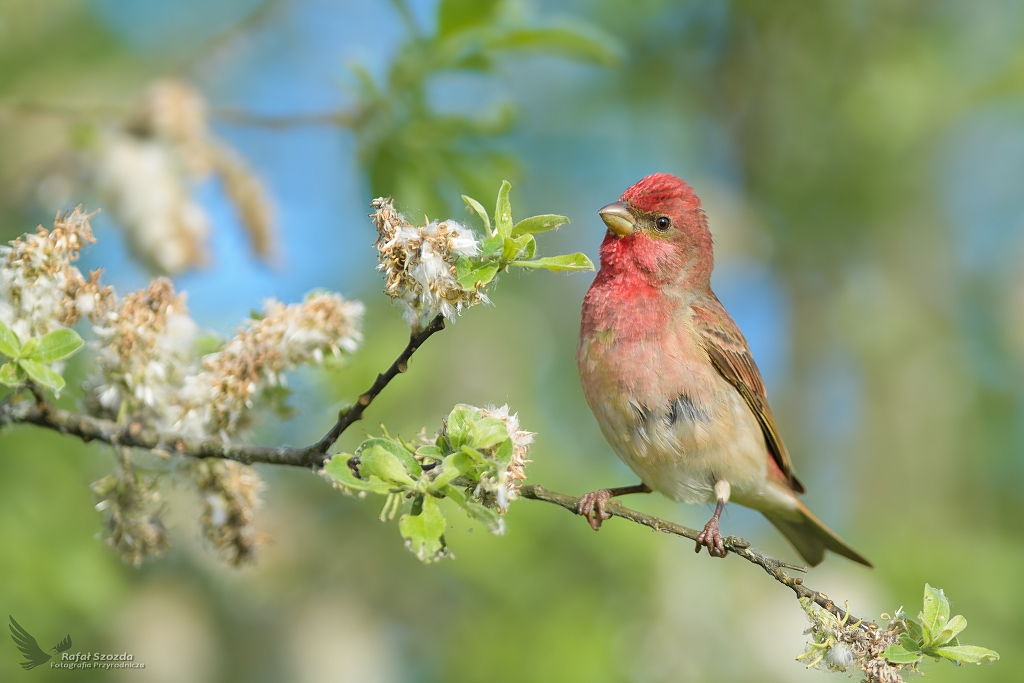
{"points": [[671, 380]]}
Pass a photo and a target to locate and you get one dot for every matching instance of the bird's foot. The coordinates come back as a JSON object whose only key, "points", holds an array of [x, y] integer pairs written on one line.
{"points": [[711, 538], [591, 506]]}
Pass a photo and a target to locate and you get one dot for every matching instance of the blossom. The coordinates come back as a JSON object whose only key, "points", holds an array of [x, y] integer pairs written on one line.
{"points": [[505, 485], [134, 524], [419, 264], [40, 289], [145, 352], [230, 496], [218, 398]]}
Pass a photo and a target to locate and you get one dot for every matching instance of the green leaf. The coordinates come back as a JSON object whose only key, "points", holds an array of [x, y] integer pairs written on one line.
{"points": [[475, 510], [935, 613], [384, 465], [453, 467], [397, 450], [458, 422], [480, 211], [557, 263], [503, 456], [424, 533], [503, 211], [42, 375], [471, 275], [454, 16], [430, 452], [966, 654], [913, 628], [536, 224], [899, 654], [951, 630], [10, 345], [523, 246], [488, 432], [11, 374], [337, 468], [54, 346], [492, 246], [583, 44]]}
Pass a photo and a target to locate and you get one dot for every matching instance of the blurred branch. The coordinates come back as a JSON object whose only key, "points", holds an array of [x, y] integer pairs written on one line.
{"points": [[342, 119], [738, 546], [135, 435]]}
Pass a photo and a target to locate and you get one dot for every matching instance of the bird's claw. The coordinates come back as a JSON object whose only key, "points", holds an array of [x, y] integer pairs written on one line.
{"points": [[588, 503], [711, 538]]}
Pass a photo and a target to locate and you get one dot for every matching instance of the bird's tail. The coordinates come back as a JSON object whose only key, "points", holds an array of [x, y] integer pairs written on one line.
{"points": [[811, 537]]}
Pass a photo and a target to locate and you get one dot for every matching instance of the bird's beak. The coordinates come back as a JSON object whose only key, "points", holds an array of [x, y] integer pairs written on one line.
{"points": [[618, 218]]}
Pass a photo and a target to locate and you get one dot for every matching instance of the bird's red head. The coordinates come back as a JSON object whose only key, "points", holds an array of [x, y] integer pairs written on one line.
{"points": [[658, 231]]}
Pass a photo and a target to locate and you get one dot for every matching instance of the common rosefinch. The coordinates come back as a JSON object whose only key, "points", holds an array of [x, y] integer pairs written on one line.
{"points": [[670, 378]]}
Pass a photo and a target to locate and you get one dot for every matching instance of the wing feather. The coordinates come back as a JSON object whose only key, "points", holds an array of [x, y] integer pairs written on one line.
{"points": [[27, 645], [729, 353]]}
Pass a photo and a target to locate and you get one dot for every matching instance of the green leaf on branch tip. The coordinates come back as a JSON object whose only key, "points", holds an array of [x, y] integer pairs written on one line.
{"points": [[951, 630], [11, 374], [934, 614], [965, 654], [53, 346], [571, 42], [454, 16], [453, 467], [480, 211], [10, 345], [475, 510], [397, 450], [522, 247], [536, 224], [503, 211], [42, 375], [492, 246], [558, 263], [424, 533], [487, 433], [471, 275], [458, 422], [337, 469], [899, 653], [384, 465]]}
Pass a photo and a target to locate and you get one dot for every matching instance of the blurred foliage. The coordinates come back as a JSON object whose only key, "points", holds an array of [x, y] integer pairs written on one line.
{"points": [[854, 152]]}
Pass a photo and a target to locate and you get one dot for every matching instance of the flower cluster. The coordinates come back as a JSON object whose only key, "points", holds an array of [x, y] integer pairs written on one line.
{"points": [[217, 399], [502, 486], [40, 289], [230, 495], [840, 645], [145, 350], [134, 525], [146, 168], [419, 264]]}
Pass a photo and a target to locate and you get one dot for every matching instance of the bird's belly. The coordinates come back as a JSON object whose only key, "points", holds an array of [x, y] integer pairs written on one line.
{"points": [[683, 447]]}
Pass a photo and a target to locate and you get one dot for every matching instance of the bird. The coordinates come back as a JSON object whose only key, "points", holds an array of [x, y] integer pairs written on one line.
{"points": [[26, 643], [672, 382]]}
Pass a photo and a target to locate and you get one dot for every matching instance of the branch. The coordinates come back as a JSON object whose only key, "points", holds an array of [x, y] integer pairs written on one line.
{"points": [[738, 546], [136, 435]]}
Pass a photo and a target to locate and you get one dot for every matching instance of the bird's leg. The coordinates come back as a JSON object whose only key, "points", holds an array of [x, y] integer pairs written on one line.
{"points": [[598, 499], [711, 537]]}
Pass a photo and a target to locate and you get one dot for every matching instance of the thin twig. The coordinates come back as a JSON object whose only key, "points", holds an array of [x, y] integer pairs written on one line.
{"points": [[341, 119], [349, 415], [737, 546]]}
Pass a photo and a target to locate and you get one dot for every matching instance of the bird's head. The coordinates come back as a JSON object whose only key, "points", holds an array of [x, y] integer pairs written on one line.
{"points": [[658, 231]]}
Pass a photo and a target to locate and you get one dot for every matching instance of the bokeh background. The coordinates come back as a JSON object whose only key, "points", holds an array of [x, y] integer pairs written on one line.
{"points": [[862, 165]]}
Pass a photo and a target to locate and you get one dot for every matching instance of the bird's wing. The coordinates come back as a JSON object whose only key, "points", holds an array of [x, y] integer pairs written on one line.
{"points": [[63, 645], [27, 645], [728, 351]]}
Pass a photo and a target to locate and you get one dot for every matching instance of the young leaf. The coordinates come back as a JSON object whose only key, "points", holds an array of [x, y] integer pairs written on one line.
{"points": [[453, 467], [935, 613], [522, 247], [397, 450], [480, 211], [900, 654], [475, 510], [11, 374], [470, 275], [454, 16], [966, 654], [54, 346], [384, 465], [10, 345], [487, 432], [503, 211], [492, 246], [536, 224], [42, 375], [951, 630], [424, 532], [458, 424], [557, 263], [337, 468], [572, 42]]}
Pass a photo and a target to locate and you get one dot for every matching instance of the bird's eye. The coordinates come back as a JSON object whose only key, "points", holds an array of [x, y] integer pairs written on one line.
{"points": [[662, 223]]}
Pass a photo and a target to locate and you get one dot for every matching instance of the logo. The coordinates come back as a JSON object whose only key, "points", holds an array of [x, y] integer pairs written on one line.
{"points": [[34, 655]]}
